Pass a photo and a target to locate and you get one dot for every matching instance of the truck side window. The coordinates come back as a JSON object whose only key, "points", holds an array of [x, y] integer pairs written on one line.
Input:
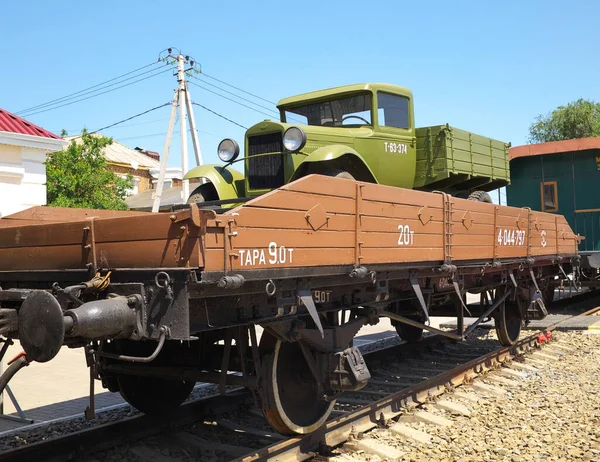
{"points": [[392, 110]]}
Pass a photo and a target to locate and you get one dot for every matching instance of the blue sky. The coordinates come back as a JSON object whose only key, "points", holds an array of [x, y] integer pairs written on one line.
{"points": [[486, 67]]}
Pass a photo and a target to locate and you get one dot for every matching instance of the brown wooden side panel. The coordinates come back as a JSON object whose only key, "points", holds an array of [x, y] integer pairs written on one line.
{"points": [[260, 258], [61, 214], [149, 240], [43, 258], [10, 223], [165, 253], [315, 221], [285, 199], [50, 234], [254, 217], [382, 224]]}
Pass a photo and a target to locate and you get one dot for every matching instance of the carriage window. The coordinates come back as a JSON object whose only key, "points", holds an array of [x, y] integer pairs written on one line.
{"points": [[392, 110], [549, 192]]}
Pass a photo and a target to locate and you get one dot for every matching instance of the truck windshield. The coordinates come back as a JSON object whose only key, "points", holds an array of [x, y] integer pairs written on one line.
{"points": [[352, 110]]}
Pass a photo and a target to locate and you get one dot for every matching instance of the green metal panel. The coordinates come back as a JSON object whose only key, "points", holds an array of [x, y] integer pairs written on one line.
{"points": [[444, 151], [577, 176]]}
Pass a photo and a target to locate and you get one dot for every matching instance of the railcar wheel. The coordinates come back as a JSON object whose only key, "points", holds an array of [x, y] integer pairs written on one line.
{"points": [[154, 395], [508, 321], [293, 404], [408, 333]]}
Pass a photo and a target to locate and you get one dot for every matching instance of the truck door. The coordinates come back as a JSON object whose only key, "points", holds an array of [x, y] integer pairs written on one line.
{"points": [[395, 140]]}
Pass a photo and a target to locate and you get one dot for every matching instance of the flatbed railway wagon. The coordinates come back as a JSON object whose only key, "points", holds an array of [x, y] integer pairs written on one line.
{"points": [[161, 301]]}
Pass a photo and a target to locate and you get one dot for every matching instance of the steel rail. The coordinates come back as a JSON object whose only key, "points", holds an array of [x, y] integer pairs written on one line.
{"points": [[72, 446], [338, 431], [106, 436]]}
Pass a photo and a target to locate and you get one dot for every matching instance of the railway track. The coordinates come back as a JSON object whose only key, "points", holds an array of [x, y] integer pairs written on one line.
{"points": [[404, 377]]}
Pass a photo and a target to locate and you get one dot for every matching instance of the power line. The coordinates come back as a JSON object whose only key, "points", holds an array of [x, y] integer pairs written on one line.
{"points": [[86, 89], [125, 120], [98, 94], [150, 135], [237, 96], [78, 97], [219, 115], [232, 100], [239, 89]]}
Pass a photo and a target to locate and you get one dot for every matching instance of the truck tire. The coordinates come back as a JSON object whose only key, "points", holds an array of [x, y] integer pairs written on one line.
{"points": [[204, 192], [339, 173], [480, 196]]}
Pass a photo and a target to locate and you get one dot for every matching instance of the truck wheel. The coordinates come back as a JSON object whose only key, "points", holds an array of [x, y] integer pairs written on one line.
{"points": [[204, 192], [480, 196], [339, 173]]}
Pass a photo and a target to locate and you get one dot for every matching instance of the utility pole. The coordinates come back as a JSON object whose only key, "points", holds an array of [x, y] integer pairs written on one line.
{"points": [[181, 99]]}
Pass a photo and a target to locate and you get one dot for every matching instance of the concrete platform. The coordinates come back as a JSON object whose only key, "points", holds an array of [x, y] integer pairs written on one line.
{"points": [[574, 323]]}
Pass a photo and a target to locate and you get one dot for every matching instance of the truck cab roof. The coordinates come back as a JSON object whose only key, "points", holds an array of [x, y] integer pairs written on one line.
{"points": [[336, 91]]}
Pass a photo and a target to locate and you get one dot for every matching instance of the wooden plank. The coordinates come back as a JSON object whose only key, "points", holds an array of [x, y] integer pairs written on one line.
{"points": [[474, 252], [486, 218], [301, 257], [156, 226], [400, 240], [389, 210], [380, 193], [9, 223], [61, 214], [336, 187], [291, 200], [289, 219], [261, 237], [382, 224], [468, 239], [402, 255], [165, 253], [48, 235], [56, 257]]}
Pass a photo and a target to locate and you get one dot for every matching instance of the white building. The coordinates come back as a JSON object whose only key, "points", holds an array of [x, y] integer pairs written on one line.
{"points": [[23, 150]]}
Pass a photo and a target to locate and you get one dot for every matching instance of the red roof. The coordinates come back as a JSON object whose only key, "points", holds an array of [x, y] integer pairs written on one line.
{"points": [[554, 147], [14, 124]]}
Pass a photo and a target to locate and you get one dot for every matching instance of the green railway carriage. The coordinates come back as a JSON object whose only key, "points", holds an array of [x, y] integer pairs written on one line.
{"points": [[560, 177]]}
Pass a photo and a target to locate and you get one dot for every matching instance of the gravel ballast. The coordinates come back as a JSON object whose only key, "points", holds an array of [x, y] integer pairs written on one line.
{"points": [[553, 414]]}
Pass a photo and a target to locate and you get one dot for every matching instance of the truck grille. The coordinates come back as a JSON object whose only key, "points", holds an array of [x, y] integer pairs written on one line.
{"points": [[265, 172]]}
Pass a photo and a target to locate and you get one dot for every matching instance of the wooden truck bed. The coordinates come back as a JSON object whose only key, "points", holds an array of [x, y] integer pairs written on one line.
{"points": [[315, 221]]}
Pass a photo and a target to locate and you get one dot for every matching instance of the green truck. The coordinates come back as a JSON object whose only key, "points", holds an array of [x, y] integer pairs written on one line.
{"points": [[364, 132]]}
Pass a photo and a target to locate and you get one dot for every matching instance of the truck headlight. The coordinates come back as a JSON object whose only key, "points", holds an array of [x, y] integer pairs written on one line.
{"points": [[294, 139], [228, 150]]}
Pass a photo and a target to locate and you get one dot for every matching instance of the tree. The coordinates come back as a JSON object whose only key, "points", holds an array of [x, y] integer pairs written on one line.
{"points": [[578, 119], [79, 177]]}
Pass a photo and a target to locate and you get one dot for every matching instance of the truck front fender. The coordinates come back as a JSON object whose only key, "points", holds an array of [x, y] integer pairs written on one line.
{"points": [[335, 157], [228, 182]]}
